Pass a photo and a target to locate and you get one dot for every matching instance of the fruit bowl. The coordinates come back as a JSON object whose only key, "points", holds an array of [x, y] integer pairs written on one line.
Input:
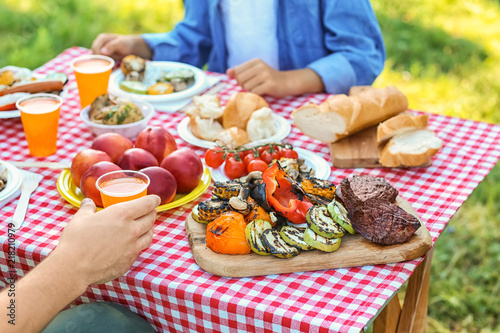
{"points": [[128, 130]]}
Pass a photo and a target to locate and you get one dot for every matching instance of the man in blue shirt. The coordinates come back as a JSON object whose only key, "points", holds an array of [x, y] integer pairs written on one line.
{"points": [[326, 45]]}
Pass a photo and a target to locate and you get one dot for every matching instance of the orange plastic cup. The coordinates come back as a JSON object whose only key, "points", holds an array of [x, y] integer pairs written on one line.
{"points": [[92, 76], [40, 117], [122, 185]]}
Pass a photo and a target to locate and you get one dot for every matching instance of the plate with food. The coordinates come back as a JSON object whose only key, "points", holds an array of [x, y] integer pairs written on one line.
{"points": [[121, 115], [17, 82], [10, 182], [72, 194], [156, 81], [245, 120], [296, 160]]}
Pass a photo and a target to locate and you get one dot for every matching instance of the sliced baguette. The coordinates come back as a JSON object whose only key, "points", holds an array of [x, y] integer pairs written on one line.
{"points": [[399, 124], [341, 115], [411, 148]]}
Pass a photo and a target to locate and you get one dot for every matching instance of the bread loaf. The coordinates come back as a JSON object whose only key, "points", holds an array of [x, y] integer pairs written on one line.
{"points": [[261, 124], [411, 148], [240, 107], [399, 124], [205, 128], [232, 137], [341, 115]]}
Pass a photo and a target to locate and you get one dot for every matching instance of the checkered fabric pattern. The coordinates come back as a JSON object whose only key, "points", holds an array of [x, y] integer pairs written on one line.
{"points": [[168, 288]]}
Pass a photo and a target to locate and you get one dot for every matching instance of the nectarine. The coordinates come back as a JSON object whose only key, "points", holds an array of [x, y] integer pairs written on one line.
{"points": [[84, 160], [136, 159], [186, 167], [87, 183], [113, 144], [157, 140], [163, 184]]}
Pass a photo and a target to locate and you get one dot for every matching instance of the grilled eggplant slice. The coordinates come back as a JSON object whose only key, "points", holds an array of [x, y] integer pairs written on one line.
{"points": [[321, 243], [295, 237], [277, 246], [253, 232], [196, 216], [226, 190], [339, 214], [321, 222], [209, 210]]}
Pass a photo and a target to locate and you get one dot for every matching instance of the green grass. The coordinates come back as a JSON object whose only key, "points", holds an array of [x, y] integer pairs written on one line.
{"points": [[443, 54]]}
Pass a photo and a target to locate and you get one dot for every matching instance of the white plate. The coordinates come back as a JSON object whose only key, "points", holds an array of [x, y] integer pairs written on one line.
{"points": [[282, 125], [153, 69], [320, 166], [14, 180], [10, 114]]}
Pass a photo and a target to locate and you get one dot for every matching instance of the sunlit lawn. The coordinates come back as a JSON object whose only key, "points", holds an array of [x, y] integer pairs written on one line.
{"points": [[443, 54]]}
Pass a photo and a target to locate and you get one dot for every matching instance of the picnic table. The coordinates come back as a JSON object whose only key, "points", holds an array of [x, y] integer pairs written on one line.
{"points": [[168, 288]]}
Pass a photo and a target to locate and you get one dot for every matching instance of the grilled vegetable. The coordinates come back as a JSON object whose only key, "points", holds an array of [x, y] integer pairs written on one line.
{"points": [[161, 88], [196, 216], [242, 203], [226, 234], [277, 246], [321, 243], [257, 213], [258, 193], [253, 232], [134, 87], [321, 222], [226, 190], [294, 237], [319, 187], [290, 166], [284, 195], [209, 210], [339, 214]]}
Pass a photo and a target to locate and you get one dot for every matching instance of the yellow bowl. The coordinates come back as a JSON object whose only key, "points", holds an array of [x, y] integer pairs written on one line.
{"points": [[72, 194]]}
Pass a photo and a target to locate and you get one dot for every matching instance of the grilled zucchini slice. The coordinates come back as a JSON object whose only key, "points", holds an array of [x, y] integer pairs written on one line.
{"points": [[321, 222], [196, 216], [277, 246], [253, 232], [339, 214], [294, 237], [321, 243]]}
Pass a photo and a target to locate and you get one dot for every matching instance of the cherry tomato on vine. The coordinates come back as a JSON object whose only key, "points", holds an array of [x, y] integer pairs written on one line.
{"points": [[256, 165], [290, 153], [276, 154], [263, 149], [213, 158], [248, 158], [233, 168], [266, 156]]}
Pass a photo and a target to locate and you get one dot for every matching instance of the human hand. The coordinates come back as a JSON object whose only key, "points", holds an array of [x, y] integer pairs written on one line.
{"points": [[99, 247], [258, 77], [118, 46]]}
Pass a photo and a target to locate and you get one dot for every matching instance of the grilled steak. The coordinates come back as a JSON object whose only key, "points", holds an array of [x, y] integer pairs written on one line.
{"points": [[378, 219], [365, 187]]}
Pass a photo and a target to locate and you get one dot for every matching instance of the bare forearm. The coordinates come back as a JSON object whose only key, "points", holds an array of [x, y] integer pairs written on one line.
{"points": [[303, 81], [41, 295]]}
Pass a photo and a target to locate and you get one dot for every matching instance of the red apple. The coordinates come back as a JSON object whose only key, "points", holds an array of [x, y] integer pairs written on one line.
{"points": [[87, 183], [136, 159], [186, 167], [157, 140], [163, 184], [84, 160], [113, 144]]}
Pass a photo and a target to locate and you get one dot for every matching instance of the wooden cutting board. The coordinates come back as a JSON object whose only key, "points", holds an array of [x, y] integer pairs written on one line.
{"points": [[359, 150], [354, 251]]}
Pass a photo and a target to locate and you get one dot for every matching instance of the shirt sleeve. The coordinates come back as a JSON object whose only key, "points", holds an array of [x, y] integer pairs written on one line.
{"points": [[189, 42], [354, 38]]}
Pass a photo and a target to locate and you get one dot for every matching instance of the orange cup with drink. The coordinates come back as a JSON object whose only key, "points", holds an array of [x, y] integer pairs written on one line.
{"points": [[92, 76], [40, 118], [122, 185]]}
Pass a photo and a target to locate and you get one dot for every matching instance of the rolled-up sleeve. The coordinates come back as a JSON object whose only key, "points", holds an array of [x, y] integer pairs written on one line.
{"points": [[190, 40], [353, 37]]}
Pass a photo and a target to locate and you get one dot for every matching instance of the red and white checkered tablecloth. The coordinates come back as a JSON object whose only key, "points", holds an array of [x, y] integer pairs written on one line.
{"points": [[166, 286]]}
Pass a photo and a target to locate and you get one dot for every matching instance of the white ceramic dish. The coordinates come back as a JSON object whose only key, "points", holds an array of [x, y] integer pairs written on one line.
{"points": [[128, 130], [321, 167], [153, 70], [282, 125], [14, 180]]}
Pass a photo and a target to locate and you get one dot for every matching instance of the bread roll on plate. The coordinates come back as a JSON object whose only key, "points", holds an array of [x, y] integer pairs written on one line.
{"points": [[232, 137], [205, 128], [261, 124], [399, 124], [341, 115], [411, 148], [240, 107]]}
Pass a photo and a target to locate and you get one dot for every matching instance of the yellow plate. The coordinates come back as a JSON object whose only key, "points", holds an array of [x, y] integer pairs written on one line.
{"points": [[74, 196]]}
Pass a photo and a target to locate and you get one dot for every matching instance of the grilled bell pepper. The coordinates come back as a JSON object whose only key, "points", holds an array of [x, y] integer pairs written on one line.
{"points": [[284, 195]]}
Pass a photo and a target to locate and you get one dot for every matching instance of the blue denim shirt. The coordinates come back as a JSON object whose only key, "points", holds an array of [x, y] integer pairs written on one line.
{"points": [[339, 39]]}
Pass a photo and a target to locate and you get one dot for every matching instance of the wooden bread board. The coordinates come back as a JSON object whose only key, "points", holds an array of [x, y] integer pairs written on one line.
{"points": [[359, 150], [354, 251]]}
